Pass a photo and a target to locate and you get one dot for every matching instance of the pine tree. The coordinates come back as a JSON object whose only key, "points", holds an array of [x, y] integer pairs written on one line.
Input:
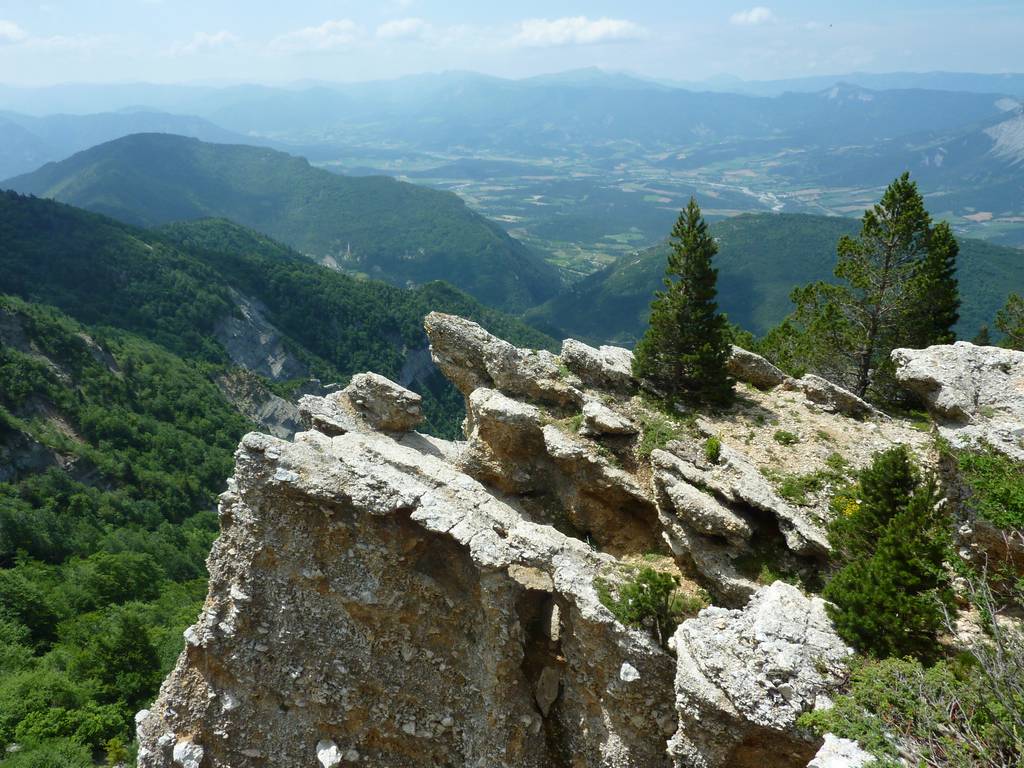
{"points": [[686, 347], [936, 295], [1010, 321], [887, 597]]}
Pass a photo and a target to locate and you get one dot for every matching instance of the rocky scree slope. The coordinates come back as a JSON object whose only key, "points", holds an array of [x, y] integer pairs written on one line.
{"points": [[382, 597]]}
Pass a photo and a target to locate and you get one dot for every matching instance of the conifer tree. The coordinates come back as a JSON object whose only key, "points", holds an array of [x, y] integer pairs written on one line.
{"points": [[1010, 321], [887, 597], [935, 305], [686, 347], [898, 289]]}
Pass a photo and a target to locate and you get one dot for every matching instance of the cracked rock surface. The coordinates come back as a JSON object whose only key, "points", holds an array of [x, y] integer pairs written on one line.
{"points": [[382, 597]]}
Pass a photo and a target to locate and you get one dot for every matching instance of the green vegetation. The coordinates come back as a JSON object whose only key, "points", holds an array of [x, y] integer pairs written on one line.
{"points": [[683, 353], [649, 600], [104, 533], [782, 437], [996, 485], [1010, 321], [657, 429], [373, 225], [798, 487], [761, 259], [174, 287], [961, 712], [713, 449], [892, 540], [898, 289]]}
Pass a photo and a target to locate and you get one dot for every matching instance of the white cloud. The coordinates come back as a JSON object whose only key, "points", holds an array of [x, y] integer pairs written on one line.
{"points": [[753, 16], [403, 29], [575, 30], [337, 33], [11, 32], [205, 42]]}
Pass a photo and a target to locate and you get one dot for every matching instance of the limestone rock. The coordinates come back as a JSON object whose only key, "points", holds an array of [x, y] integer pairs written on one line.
{"points": [[975, 393], [754, 369], [599, 419], [605, 368], [328, 415], [745, 676], [187, 754], [840, 753], [338, 553], [832, 397], [736, 480], [471, 358], [384, 404], [702, 511], [328, 754]]}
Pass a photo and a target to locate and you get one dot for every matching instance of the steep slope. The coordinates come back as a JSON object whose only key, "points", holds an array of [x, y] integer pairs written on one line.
{"points": [[374, 225], [112, 453], [185, 288], [762, 257]]}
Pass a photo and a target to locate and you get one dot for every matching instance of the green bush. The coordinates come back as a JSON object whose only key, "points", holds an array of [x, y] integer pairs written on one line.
{"points": [[782, 437], [713, 449], [647, 600], [996, 484], [893, 539]]}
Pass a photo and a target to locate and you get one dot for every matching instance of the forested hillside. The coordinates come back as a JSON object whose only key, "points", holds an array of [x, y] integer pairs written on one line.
{"points": [[112, 451], [383, 228], [761, 258], [176, 287]]}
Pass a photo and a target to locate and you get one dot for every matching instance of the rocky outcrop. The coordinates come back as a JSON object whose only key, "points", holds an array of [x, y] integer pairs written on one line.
{"points": [[832, 397], [974, 393], [384, 404], [754, 369], [604, 368], [840, 753], [370, 595], [387, 598], [743, 677], [253, 342]]}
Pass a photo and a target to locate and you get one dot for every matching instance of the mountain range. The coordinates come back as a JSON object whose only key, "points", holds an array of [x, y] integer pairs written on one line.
{"points": [[386, 229]]}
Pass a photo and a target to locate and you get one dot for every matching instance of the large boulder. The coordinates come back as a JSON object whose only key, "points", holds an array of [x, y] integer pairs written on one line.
{"points": [[384, 404], [605, 367], [754, 369], [743, 677], [974, 393]]}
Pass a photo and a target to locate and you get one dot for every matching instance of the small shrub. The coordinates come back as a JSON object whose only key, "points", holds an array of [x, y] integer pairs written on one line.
{"points": [[713, 449], [649, 600], [997, 486], [656, 431], [782, 437]]}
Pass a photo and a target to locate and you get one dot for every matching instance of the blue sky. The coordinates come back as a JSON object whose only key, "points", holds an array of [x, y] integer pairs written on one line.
{"points": [[49, 41]]}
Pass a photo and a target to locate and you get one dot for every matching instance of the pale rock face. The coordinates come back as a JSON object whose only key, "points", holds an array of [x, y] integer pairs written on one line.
{"points": [[604, 368], [840, 753], [386, 598], [729, 698], [471, 357], [187, 754], [832, 397], [328, 754], [754, 369], [975, 393], [384, 404], [599, 419]]}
